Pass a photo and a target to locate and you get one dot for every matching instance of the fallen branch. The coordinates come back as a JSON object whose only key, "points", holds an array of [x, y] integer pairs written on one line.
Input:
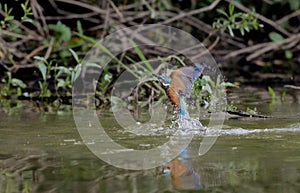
{"points": [[274, 46], [245, 114], [292, 87], [260, 49], [288, 17], [194, 12]]}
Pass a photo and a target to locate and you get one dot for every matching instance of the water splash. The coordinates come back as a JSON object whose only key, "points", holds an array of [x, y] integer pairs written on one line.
{"points": [[187, 126], [241, 131]]}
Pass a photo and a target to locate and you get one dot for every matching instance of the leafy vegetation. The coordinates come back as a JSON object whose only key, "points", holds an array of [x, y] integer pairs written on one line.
{"points": [[206, 88], [10, 85], [232, 21], [41, 54]]}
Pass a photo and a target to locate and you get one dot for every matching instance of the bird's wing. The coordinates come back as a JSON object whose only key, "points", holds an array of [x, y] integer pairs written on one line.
{"points": [[187, 81], [181, 82]]}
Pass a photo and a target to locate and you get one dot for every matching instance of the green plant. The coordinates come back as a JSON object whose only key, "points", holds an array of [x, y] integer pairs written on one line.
{"points": [[27, 11], [9, 17], [206, 88], [45, 67], [10, 82], [231, 107], [105, 81], [64, 76], [231, 21], [251, 111], [62, 33], [271, 93]]}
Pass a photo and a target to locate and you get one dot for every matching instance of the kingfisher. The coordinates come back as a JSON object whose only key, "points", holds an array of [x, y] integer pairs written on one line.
{"points": [[180, 84]]}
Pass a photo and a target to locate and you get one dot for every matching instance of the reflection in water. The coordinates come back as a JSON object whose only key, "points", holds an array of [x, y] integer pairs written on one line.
{"points": [[183, 175], [24, 172]]}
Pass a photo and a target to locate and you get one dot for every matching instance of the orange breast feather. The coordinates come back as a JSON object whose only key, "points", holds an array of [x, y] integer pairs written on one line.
{"points": [[176, 85], [173, 96]]}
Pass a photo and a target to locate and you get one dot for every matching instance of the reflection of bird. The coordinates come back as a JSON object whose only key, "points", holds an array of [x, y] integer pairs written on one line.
{"points": [[180, 83], [182, 172]]}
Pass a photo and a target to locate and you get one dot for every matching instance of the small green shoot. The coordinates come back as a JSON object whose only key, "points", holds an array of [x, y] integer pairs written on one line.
{"points": [[8, 17], [45, 67], [27, 11], [251, 111], [11, 82], [271, 93]]}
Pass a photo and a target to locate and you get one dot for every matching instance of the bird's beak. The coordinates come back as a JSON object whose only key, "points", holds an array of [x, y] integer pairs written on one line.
{"points": [[155, 75]]}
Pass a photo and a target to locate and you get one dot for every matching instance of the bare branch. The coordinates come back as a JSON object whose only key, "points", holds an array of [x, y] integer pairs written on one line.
{"points": [[274, 46], [38, 13], [288, 17], [84, 5], [194, 12], [260, 49]]}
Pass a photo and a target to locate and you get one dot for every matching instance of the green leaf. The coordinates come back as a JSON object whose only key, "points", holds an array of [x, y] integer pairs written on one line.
{"points": [[294, 4], [8, 18], [61, 70], [61, 83], [61, 31], [288, 54], [230, 31], [87, 38], [228, 84], [140, 54], [23, 7], [275, 37], [75, 73], [242, 31], [231, 9], [8, 174], [247, 28], [9, 76], [40, 58], [41, 86], [19, 91], [79, 27], [271, 93], [90, 64], [28, 20], [74, 54], [221, 11], [208, 87], [107, 77], [18, 83], [43, 69]]}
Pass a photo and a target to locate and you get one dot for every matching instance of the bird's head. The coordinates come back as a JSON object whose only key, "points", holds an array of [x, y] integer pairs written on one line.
{"points": [[164, 80]]}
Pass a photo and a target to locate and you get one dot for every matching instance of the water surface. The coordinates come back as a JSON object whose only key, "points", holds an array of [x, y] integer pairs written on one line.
{"points": [[43, 152]]}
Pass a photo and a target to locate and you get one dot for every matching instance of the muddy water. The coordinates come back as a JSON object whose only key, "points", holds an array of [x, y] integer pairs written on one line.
{"points": [[43, 152]]}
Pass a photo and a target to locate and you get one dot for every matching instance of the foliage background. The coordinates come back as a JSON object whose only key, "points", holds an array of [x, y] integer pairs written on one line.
{"points": [[42, 41]]}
